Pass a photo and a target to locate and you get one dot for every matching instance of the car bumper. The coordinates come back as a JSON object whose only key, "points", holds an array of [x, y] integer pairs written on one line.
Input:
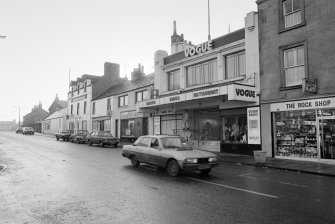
{"points": [[111, 142], [195, 167]]}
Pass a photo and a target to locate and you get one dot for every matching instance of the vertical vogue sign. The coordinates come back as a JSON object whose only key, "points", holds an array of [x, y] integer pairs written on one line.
{"points": [[201, 48], [242, 93], [254, 131], [157, 125]]}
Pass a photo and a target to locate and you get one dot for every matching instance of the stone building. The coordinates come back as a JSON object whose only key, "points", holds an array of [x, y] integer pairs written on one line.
{"points": [[35, 117]]}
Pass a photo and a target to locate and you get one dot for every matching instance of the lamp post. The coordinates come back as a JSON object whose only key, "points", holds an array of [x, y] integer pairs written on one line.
{"points": [[19, 115]]}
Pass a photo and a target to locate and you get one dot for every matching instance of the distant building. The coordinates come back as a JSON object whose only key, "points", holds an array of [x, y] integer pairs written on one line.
{"points": [[57, 105], [55, 122], [8, 125], [35, 117]]}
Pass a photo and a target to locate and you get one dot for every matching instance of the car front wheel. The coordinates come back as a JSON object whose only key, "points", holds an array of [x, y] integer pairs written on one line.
{"points": [[134, 161], [101, 144], [89, 142], [173, 168]]}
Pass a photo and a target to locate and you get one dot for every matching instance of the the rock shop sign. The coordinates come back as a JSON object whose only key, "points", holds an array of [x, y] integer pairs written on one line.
{"points": [[201, 48]]}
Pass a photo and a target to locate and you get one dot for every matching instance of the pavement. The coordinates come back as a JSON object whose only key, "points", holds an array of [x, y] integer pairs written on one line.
{"points": [[324, 169]]}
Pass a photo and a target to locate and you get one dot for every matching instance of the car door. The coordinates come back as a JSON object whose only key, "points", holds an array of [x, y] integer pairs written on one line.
{"points": [[142, 149], [155, 152]]}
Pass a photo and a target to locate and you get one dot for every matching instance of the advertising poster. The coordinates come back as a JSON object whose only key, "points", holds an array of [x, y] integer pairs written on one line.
{"points": [[254, 132], [157, 125]]}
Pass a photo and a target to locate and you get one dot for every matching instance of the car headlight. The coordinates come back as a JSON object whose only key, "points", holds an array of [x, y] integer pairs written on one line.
{"points": [[212, 160], [191, 160]]}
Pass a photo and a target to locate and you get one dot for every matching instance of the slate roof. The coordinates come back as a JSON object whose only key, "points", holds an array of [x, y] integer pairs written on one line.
{"points": [[127, 86], [57, 114]]}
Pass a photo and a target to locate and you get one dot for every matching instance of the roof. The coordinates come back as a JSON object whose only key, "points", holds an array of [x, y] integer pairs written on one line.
{"points": [[85, 76], [57, 114], [127, 86]]}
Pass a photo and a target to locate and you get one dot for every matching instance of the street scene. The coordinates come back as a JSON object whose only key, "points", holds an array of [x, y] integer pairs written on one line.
{"points": [[50, 181], [161, 111]]}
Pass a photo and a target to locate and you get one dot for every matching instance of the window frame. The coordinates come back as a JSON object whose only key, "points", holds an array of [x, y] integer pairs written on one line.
{"points": [[281, 16], [142, 93], [283, 85], [200, 68], [124, 101], [237, 55], [175, 73]]}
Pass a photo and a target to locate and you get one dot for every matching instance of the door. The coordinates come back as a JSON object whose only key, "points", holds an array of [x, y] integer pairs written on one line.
{"points": [[155, 153], [326, 137]]}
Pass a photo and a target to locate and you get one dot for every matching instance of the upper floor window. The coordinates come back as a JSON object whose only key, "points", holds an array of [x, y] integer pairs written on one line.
{"points": [[85, 105], [201, 73], [71, 108], [294, 65], [109, 106], [141, 95], [93, 108], [78, 87], [85, 86], [72, 91], [78, 107], [292, 12], [123, 101], [235, 65], [174, 80]]}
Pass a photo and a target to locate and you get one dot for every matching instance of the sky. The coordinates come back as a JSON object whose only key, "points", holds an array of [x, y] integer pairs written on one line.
{"points": [[48, 41]]}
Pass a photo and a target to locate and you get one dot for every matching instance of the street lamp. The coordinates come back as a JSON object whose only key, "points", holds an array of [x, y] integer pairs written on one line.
{"points": [[19, 115]]}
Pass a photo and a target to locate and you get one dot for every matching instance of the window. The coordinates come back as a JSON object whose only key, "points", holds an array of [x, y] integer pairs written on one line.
{"points": [[72, 91], [109, 107], [71, 109], [85, 104], [123, 101], [294, 66], [84, 125], [85, 87], [201, 73], [235, 65], [93, 108], [144, 142], [78, 87], [78, 105], [292, 11], [174, 80], [141, 95]]}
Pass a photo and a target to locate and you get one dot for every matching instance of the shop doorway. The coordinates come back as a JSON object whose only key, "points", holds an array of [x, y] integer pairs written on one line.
{"points": [[326, 138]]}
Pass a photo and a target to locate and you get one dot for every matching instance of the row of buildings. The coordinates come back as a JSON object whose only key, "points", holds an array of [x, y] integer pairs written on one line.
{"points": [[268, 86]]}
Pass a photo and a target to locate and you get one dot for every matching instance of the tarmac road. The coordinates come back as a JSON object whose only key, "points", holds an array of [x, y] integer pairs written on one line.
{"points": [[49, 181]]}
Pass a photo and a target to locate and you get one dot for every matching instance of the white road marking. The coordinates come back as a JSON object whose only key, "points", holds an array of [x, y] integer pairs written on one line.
{"points": [[234, 188], [296, 185]]}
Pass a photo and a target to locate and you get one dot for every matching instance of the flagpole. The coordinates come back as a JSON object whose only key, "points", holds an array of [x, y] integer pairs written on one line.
{"points": [[209, 25]]}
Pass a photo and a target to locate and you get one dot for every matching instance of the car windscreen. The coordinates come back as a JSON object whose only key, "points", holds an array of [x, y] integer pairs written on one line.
{"points": [[106, 134], [173, 142]]}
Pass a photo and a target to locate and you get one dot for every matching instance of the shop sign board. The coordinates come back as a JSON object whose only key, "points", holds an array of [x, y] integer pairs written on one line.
{"points": [[150, 103], [242, 93], [201, 48], [254, 131], [157, 125], [309, 85], [303, 105], [101, 118], [174, 99], [206, 93], [130, 114]]}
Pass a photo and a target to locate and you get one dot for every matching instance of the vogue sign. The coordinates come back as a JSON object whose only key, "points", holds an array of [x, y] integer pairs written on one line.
{"points": [[201, 48], [242, 93]]}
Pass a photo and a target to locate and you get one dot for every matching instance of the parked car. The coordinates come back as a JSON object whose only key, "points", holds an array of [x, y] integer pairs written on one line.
{"points": [[79, 136], [18, 130], [28, 131], [63, 134], [102, 138], [170, 152]]}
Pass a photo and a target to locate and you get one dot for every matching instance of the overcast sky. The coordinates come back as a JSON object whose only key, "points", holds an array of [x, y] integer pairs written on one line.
{"points": [[48, 39]]}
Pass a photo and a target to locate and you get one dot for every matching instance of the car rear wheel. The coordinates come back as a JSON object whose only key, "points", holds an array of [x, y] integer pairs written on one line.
{"points": [[115, 145], [134, 161], [206, 171], [173, 168], [101, 144], [57, 138]]}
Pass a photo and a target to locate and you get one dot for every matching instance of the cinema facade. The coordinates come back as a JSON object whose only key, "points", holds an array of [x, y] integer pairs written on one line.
{"points": [[209, 93]]}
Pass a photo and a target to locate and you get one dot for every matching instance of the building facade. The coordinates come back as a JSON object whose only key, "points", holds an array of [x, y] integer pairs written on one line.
{"points": [[297, 86], [55, 122], [8, 125], [35, 117], [209, 93]]}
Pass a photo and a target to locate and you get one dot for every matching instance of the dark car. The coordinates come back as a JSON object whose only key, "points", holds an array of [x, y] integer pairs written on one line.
{"points": [[79, 136], [28, 131], [18, 130], [64, 134], [102, 138]]}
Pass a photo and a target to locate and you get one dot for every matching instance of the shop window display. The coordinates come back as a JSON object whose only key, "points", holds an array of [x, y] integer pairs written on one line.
{"points": [[295, 133], [235, 129], [127, 127]]}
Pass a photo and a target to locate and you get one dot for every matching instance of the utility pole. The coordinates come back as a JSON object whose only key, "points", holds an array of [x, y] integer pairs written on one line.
{"points": [[209, 24]]}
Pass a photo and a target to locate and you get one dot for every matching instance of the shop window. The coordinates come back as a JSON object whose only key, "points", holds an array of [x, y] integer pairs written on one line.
{"points": [[141, 95], [127, 128], [201, 73], [174, 80], [235, 65], [295, 133], [294, 66], [123, 101], [171, 124], [235, 130], [292, 13]]}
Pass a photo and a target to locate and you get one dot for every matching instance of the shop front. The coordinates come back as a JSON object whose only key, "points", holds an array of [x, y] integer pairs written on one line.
{"points": [[304, 129], [133, 125], [101, 123]]}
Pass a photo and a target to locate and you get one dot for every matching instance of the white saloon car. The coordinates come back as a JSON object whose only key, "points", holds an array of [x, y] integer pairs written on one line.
{"points": [[171, 152]]}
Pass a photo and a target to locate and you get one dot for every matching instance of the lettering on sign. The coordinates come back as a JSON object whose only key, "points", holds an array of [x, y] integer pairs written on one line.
{"points": [[153, 102], [174, 98], [206, 93], [201, 48], [247, 93], [308, 104], [304, 104], [242, 93]]}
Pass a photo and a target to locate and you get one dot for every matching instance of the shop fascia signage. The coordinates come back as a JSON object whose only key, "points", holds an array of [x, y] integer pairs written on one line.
{"points": [[206, 93], [201, 48], [130, 114], [303, 105], [242, 93]]}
